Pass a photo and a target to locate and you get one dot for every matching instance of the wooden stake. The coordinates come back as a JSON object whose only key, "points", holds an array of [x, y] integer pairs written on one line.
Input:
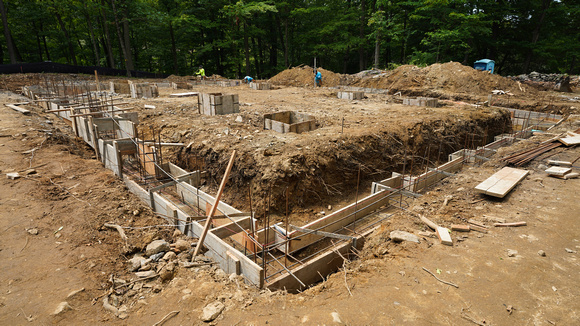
{"points": [[214, 207], [97, 78]]}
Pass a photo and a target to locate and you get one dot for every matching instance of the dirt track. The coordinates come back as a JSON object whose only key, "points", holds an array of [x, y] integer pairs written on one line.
{"points": [[388, 284]]}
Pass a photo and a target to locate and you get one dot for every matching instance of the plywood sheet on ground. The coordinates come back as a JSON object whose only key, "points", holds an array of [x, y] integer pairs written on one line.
{"points": [[502, 182]]}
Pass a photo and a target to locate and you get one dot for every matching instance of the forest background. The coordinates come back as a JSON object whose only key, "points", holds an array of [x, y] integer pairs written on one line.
{"points": [[261, 38]]}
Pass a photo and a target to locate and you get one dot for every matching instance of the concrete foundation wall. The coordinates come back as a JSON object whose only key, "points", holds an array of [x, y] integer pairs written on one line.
{"points": [[260, 86], [351, 95], [421, 101], [289, 121], [218, 103]]}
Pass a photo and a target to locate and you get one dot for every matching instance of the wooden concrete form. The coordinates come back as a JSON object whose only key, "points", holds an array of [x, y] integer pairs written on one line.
{"points": [[421, 101], [351, 95], [186, 94], [431, 177], [502, 182], [229, 83], [323, 264], [143, 90], [218, 103], [120, 87], [260, 86], [289, 121], [335, 221]]}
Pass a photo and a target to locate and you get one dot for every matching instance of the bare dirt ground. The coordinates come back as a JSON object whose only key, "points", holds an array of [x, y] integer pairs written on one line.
{"points": [[386, 286]]}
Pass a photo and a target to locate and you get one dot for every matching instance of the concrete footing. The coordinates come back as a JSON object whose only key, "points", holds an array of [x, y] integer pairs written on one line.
{"points": [[351, 95], [421, 101], [260, 86], [218, 103], [289, 121]]}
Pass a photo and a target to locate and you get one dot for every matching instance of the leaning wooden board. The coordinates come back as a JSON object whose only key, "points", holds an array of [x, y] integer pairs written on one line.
{"points": [[499, 184]]}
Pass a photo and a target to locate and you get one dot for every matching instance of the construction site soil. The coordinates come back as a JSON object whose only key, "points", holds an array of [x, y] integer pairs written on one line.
{"points": [[71, 196]]}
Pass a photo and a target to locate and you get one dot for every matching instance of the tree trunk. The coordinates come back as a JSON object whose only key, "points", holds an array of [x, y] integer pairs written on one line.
{"points": [[173, 49], [536, 34], [71, 49], [246, 49], [92, 34], [402, 59], [127, 38], [286, 43], [44, 43], [107, 37], [377, 51], [38, 44], [7, 35], [120, 35], [361, 48]]}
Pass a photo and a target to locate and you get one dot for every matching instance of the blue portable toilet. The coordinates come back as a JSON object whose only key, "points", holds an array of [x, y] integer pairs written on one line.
{"points": [[484, 65]]}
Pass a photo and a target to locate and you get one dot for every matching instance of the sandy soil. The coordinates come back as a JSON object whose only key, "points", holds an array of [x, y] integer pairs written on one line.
{"points": [[386, 286]]}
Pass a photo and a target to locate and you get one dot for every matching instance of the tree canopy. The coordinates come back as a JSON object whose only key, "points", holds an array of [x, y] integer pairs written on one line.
{"points": [[234, 38]]}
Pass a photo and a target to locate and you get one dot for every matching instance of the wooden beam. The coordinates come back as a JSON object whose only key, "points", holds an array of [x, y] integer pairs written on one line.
{"points": [[19, 109], [232, 228], [322, 233], [214, 207]]}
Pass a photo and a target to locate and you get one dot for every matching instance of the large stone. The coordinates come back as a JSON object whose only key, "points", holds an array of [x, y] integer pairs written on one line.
{"points": [[212, 311], [180, 245], [135, 263], [61, 308], [169, 256], [400, 236], [156, 246]]}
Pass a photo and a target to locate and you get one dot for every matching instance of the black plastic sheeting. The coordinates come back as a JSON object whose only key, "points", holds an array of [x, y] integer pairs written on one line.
{"points": [[53, 67]]}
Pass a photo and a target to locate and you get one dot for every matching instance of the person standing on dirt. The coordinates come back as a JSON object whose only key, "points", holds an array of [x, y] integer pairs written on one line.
{"points": [[201, 72], [317, 77], [248, 79]]}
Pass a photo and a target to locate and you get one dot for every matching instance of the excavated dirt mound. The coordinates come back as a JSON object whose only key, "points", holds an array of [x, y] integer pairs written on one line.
{"points": [[451, 77], [304, 76]]}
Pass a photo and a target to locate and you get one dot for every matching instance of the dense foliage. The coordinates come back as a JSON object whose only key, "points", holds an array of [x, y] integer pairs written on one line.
{"points": [[260, 38]]}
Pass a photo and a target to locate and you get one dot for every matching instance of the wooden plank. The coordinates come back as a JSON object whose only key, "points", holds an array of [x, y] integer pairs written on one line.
{"points": [[187, 94], [231, 228], [444, 237], [513, 224], [137, 190], [559, 163], [18, 109], [558, 171], [569, 141], [502, 182], [460, 228], [215, 205]]}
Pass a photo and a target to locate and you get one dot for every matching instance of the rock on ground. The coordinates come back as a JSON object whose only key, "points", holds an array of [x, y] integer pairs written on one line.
{"points": [[156, 246], [212, 311], [61, 308], [400, 236]]}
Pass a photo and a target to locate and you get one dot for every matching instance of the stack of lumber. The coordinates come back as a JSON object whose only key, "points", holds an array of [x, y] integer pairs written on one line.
{"points": [[561, 172], [502, 182], [571, 139]]}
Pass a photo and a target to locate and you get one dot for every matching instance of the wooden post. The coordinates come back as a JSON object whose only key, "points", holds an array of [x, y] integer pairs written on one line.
{"points": [[97, 78], [214, 207]]}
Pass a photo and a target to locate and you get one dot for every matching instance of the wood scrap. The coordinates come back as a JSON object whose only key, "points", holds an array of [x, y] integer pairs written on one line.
{"points": [[119, 229], [18, 109], [477, 223], [494, 218], [512, 224], [559, 163], [558, 171], [444, 236], [428, 222], [440, 280], [478, 229], [166, 318], [460, 228]]}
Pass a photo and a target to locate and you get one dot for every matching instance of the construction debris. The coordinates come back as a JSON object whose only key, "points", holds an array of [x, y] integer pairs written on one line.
{"points": [[513, 224], [400, 236], [522, 157]]}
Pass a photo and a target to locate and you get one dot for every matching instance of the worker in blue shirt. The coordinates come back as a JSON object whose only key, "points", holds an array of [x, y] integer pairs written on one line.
{"points": [[248, 79], [317, 77]]}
